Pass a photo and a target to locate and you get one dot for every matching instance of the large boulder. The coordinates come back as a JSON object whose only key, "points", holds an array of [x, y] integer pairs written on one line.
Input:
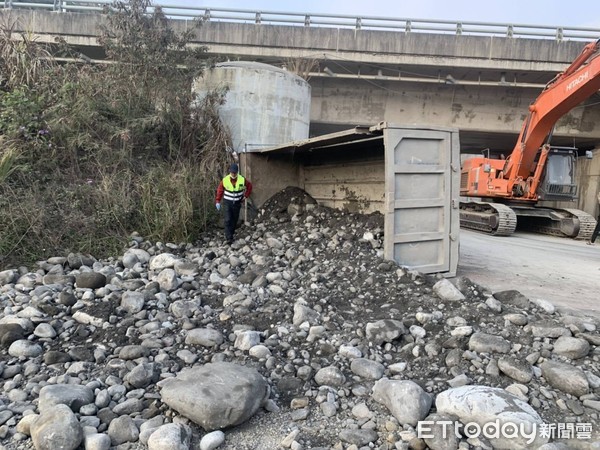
{"points": [[90, 280], [384, 331], [72, 395], [205, 337], [216, 395], [163, 261], [56, 428], [488, 343], [572, 348], [483, 405], [512, 297], [565, 377], [406, 400], [9, 333], [447, 291]]}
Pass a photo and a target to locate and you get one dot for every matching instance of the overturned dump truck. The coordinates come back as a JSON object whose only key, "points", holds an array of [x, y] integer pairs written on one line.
{"points": [[409, 173]]}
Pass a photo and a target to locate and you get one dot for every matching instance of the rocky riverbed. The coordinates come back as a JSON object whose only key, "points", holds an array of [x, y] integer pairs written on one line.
{"points": [[299, 335]]}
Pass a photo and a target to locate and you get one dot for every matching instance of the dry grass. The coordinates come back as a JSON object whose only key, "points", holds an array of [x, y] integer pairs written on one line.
{"points": [[301, 66], [23, 61], [100, 156], [9, 159]]}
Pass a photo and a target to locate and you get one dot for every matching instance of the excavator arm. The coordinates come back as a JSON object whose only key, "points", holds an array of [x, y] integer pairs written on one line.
{"points": [[567, 90]]}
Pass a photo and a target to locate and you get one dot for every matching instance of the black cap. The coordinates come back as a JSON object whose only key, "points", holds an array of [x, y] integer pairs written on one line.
{"points": [[234, 168]]}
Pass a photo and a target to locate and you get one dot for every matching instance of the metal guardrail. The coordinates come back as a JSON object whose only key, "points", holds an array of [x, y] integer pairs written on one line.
{"points": [[327, 20]]}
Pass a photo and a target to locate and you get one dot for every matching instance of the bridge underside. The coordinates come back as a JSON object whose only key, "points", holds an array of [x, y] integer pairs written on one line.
{"points": [[487, 117]]}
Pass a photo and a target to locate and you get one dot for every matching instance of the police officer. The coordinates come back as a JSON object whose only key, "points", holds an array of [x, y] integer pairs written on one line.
{"points": [[232, 191]]}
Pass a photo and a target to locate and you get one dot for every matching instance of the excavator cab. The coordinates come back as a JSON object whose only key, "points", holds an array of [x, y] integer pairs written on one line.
{"points": [[558, 182]]}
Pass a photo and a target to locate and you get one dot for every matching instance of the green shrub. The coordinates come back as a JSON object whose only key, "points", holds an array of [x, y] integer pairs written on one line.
{"points": [[92, 152]]}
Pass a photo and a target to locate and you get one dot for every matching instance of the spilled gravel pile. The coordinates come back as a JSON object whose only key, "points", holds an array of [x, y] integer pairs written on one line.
{"points": [[299, 335]]}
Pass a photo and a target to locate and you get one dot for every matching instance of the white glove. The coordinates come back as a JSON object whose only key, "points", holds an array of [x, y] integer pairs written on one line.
{"points": [[218, 206]]}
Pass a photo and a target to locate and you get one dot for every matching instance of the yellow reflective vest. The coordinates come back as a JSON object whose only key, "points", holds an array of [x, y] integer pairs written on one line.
{"points": [[234, 192]]}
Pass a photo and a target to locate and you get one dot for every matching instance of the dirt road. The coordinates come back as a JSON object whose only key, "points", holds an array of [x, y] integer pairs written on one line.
{"points": [[563, 271]]}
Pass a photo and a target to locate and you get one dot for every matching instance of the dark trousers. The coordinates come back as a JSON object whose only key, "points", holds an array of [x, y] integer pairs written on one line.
{"points": [[231, 212], [596, 230]]}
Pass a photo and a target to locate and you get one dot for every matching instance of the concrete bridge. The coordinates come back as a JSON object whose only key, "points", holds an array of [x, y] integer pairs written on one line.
{"points": [[480, 82]]}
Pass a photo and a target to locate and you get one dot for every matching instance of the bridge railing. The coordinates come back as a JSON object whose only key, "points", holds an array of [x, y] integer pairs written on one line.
{"points": [[327, 20]]}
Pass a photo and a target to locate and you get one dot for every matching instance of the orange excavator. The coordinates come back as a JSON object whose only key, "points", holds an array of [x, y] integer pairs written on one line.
{"points": [[535, 170]]}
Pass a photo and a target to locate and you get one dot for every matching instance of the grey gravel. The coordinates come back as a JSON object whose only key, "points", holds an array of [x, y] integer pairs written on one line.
{"points": [[347, 349]]}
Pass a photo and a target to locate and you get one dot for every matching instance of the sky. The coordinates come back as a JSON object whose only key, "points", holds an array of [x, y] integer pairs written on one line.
{"points": [[579, 13]]}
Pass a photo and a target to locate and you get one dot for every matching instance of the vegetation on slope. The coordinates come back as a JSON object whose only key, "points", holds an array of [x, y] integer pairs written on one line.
{"points": [[91, 152]]}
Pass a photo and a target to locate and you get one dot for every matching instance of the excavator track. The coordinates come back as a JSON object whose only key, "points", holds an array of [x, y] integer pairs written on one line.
{"points": [[492, 218], [567, 222], [587, 223]]}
